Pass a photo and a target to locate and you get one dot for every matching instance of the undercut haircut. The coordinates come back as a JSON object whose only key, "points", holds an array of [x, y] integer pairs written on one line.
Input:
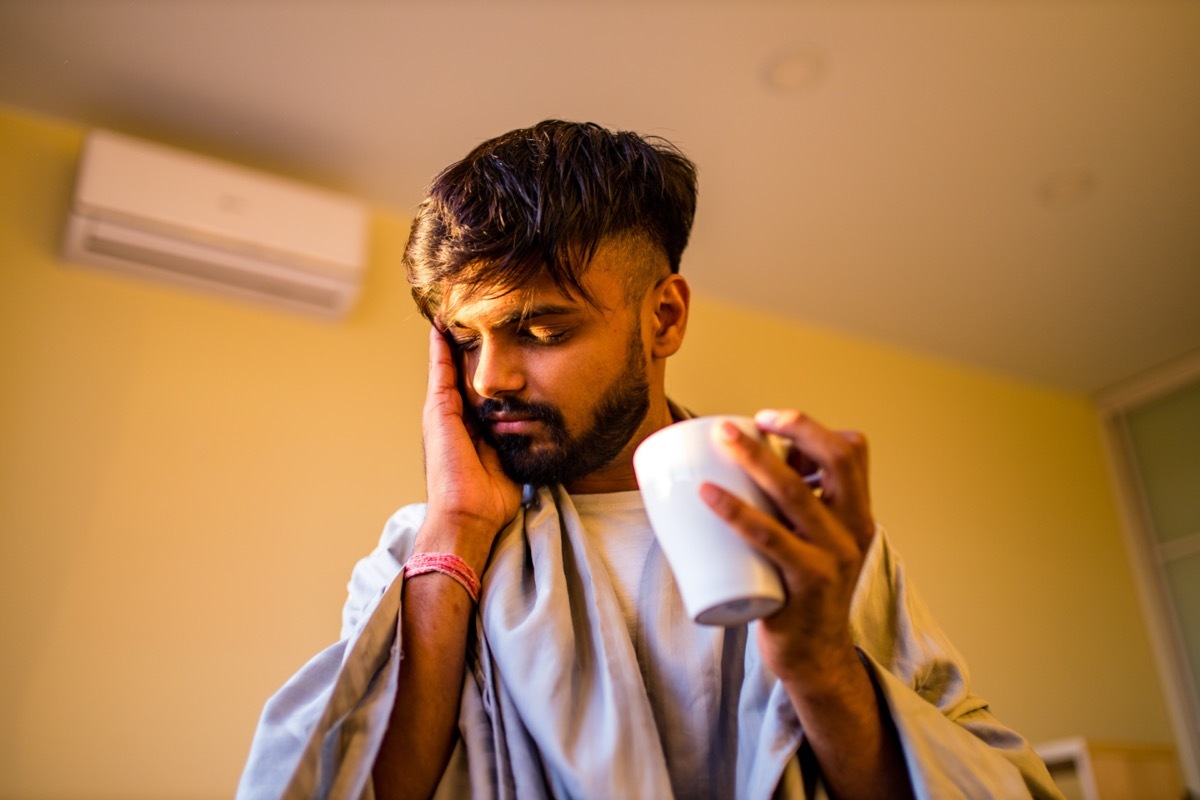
{"points": [[539, 201]]}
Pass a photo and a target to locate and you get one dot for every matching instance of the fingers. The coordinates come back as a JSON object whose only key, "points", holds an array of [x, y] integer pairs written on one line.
{"points": [[785, 487], [442, 394], [840, 457], [808, 568], [441, 358], [760, 529]]}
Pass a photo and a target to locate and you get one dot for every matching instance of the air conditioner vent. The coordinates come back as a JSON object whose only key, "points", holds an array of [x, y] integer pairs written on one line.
{"points": [[148, 210], [217, 276]]}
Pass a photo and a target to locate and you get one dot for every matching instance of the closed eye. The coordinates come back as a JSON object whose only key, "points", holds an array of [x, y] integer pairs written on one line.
{"points": [[465, 344], [545, 336]]}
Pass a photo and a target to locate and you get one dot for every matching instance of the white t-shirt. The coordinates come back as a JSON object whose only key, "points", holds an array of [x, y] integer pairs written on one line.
{"points": [[617, 526], [679, 659]]}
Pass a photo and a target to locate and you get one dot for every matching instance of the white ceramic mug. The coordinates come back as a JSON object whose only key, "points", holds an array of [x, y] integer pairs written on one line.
{"points": [[722, 579]]}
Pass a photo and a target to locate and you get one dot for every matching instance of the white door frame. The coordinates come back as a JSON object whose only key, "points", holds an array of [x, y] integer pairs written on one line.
{"points": [[1183, 706]]}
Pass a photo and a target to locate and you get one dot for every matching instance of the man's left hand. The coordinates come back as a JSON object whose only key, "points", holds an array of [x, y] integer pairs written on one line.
{"points": [[817, 540]]}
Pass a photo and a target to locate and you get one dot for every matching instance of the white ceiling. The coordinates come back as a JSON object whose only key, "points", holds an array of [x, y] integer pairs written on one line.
{"points": [[1010, 184]]}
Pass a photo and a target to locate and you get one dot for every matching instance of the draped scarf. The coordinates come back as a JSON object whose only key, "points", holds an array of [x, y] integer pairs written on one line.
{"points": [[554, 704]]}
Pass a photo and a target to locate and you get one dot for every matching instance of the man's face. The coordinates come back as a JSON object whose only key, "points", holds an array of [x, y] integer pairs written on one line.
{"points": [[556, 385]]}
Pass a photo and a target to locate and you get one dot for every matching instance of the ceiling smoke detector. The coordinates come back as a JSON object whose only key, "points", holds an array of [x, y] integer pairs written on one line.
{"points": [[1067, 188]]}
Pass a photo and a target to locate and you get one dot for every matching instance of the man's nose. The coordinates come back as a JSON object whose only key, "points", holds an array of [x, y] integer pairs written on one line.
{"points": [[495, 371]]}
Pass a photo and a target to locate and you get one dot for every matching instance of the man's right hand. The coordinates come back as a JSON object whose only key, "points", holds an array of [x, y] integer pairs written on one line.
{"points": [[470, 500], [470, 497]]}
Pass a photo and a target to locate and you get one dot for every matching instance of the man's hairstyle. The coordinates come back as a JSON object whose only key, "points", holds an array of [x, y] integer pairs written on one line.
{"points": [[540, 201]]}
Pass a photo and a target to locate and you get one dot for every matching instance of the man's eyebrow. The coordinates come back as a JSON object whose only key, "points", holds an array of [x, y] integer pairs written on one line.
{"points": [[525, 315]]}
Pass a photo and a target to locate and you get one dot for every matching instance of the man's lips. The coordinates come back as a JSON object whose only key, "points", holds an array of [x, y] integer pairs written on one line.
{"points": [[510, 423]]}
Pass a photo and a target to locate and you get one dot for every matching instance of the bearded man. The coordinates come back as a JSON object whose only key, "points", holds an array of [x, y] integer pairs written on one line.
{"points": [[548, 264]]}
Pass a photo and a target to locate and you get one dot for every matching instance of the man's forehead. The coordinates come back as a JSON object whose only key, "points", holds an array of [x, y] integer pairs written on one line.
{"points": [[603, 281]]}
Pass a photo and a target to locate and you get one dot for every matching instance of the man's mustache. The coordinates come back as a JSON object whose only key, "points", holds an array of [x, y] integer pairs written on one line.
{"points": [[543, 412]]}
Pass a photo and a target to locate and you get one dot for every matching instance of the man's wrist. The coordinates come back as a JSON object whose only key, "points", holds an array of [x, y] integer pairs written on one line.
{"points": [[469, 538], [840, 674]]}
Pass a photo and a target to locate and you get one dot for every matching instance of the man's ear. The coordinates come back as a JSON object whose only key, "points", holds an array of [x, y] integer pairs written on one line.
{"points": [[671, 297]]}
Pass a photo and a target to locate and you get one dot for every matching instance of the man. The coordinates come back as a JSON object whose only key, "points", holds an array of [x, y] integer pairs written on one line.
{"points": [[548, 262]]}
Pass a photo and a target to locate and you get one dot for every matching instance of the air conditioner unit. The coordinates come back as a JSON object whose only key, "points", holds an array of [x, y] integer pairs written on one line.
{"points": [[157, 212]]}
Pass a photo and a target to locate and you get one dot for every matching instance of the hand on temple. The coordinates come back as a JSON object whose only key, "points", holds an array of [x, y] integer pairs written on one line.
{"points": [[470, 497]]}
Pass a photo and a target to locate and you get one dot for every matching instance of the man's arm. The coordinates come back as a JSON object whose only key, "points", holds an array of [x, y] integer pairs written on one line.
{"points": [[819, 543], [434, 620], [470, 500]]}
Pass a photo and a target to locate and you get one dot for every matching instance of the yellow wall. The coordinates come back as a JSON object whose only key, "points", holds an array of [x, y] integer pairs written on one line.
{"points": [[186, 482]]}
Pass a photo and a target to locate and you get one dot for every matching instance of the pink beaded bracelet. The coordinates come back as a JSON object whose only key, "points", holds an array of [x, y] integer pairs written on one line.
{"points": [[447, 564]]}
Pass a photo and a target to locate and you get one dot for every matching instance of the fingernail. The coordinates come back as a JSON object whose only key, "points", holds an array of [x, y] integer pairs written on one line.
{"points": [[768, 417], [710, 494], [729, 432]]}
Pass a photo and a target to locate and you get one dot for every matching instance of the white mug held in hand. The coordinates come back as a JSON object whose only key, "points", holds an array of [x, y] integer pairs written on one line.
{"points": [[722, 579]]}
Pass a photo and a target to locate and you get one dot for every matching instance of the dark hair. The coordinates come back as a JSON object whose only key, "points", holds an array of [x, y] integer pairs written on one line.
{"points": [[541, 200]]}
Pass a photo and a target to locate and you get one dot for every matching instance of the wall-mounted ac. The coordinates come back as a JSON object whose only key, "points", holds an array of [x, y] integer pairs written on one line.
{"points": [[154, 211]]}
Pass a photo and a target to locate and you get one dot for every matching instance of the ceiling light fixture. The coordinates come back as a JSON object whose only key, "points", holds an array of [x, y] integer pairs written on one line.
{"points": [[796, 69]]}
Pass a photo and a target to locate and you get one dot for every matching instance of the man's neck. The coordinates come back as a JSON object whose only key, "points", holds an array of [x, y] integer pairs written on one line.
{"points": [[618, 475]]}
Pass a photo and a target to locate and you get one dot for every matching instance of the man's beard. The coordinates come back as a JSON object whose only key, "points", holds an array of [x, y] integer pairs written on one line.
{"points": [[566, 458]]}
